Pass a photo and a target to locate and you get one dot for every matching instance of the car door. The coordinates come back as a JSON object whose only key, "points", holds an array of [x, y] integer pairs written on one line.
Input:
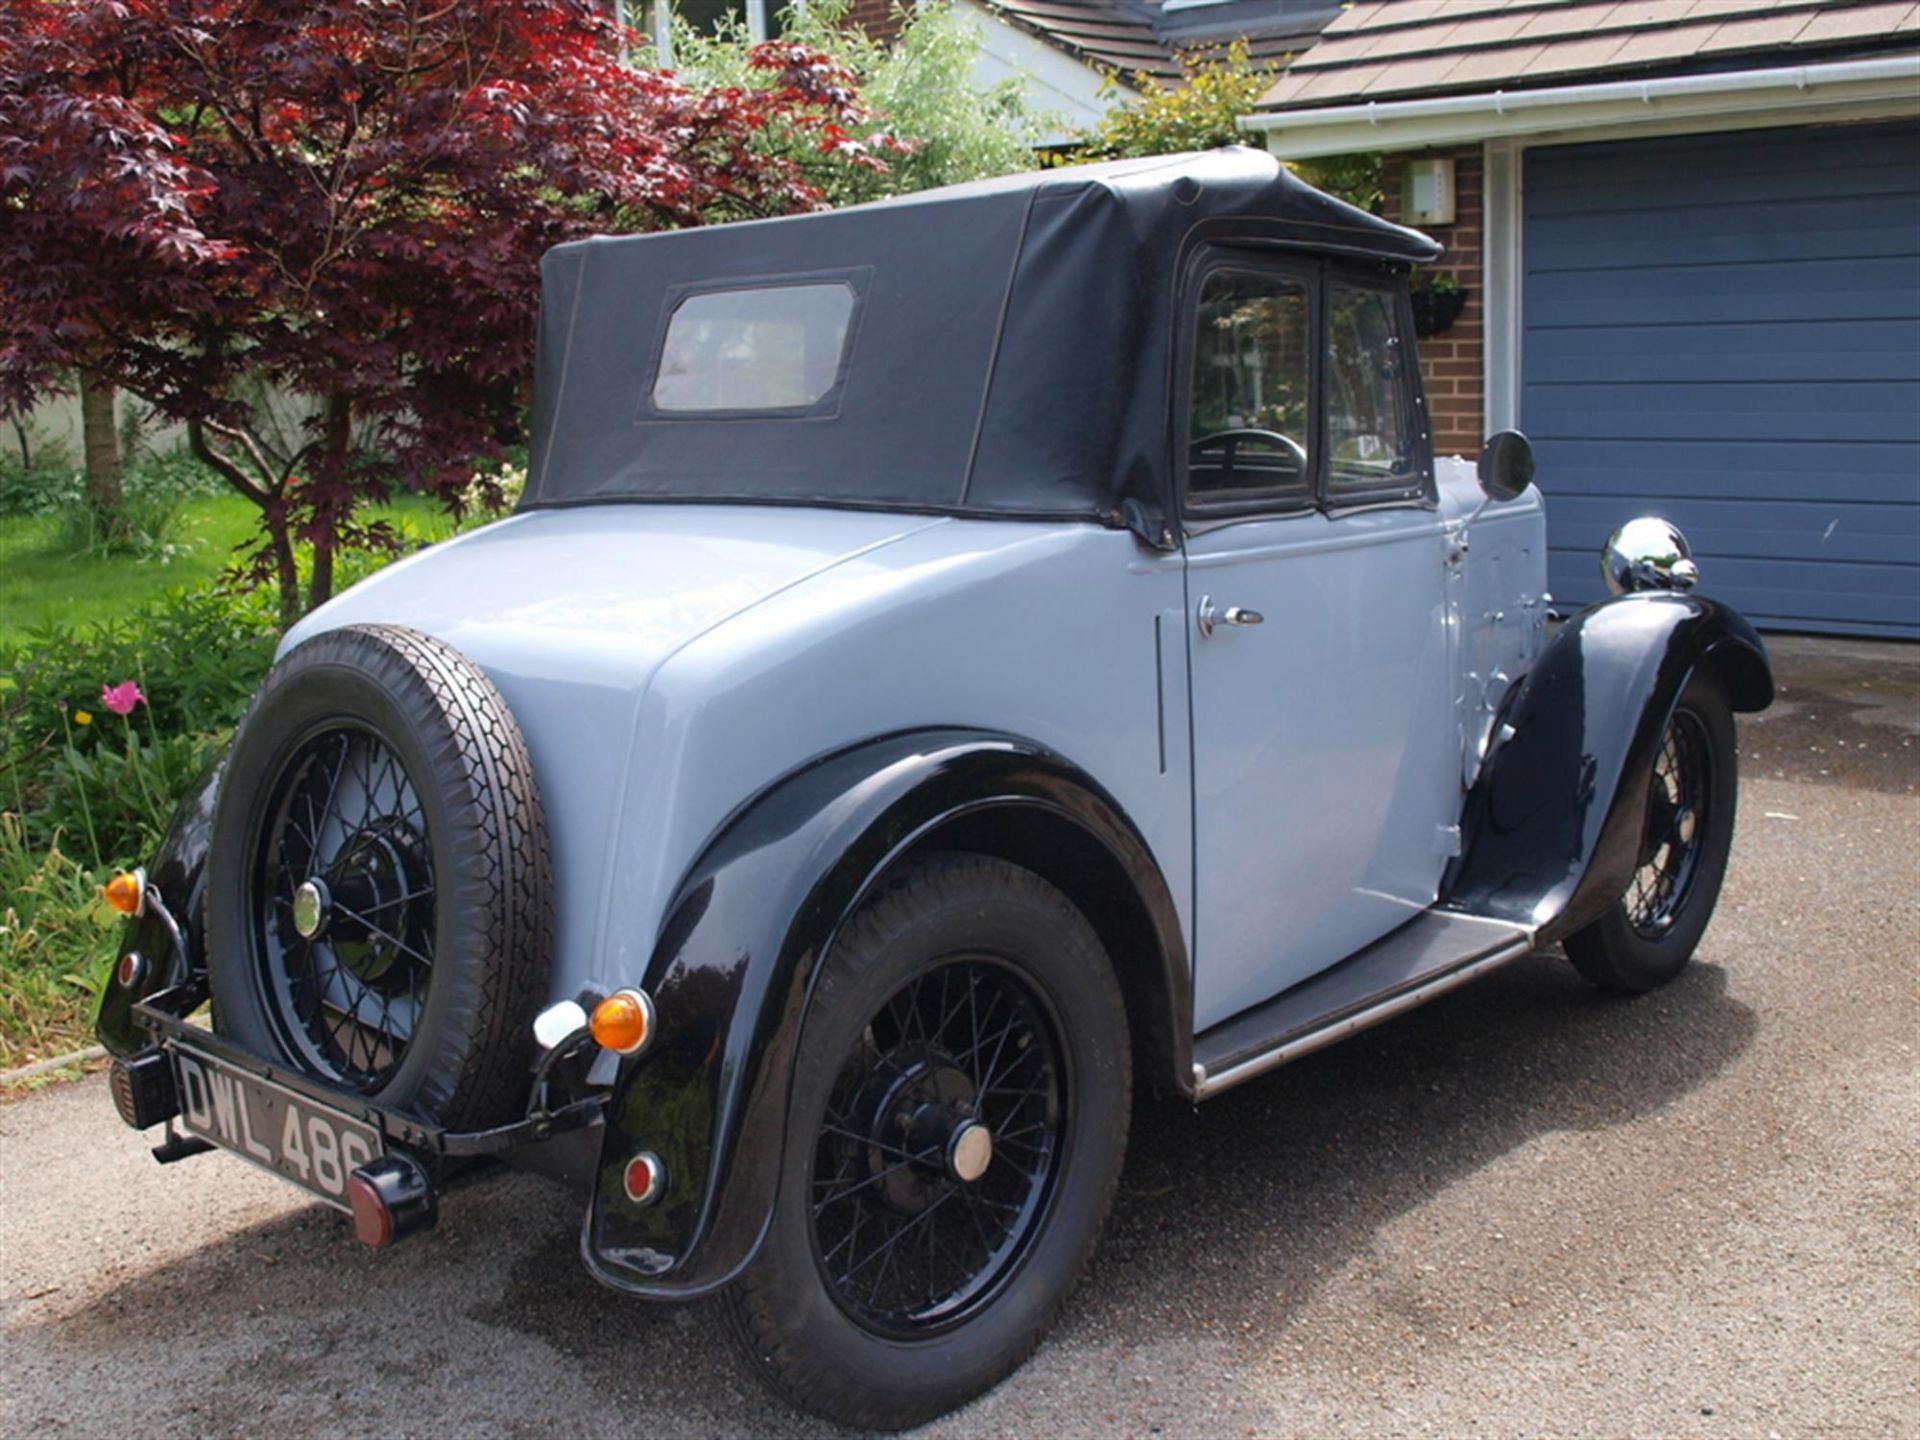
{"points": [[1324, 791]]}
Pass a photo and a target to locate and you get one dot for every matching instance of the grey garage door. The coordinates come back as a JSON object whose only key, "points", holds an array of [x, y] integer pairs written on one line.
{"points": [[1725, 330]]}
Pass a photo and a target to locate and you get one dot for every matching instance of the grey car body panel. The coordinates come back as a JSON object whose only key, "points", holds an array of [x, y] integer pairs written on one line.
{"points": [[668, 663]]}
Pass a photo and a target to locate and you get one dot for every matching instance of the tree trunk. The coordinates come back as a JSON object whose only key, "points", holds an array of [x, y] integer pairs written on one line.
{"points": [[336, 441], [320, 582], [286, 574], [101, 441], [26, 447], [272, 503]]}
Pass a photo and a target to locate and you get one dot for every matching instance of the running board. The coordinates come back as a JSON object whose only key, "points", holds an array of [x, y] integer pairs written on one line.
{"points": [[1423, 959]]}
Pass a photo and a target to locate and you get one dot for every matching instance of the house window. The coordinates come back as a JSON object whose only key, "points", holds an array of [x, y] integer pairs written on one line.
{"points": [[764, 19]]}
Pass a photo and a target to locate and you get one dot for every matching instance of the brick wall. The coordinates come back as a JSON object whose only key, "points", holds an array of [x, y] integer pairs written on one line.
{"points": [[1453, 365], [879, 18]]}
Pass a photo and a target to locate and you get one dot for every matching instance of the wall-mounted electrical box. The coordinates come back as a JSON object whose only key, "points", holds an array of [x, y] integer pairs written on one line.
{"points": [[1427, 196]]}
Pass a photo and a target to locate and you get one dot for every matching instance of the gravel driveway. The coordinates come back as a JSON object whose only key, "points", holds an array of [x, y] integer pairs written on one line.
{"points": [[1522, 1211]]}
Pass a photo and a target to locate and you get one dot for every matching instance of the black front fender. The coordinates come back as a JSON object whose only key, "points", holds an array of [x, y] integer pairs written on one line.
{"points": [[736, 960], [1552, 827]]}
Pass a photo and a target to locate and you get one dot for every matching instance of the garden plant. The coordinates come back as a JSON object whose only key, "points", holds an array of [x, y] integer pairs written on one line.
{"points": [[308, 237]]}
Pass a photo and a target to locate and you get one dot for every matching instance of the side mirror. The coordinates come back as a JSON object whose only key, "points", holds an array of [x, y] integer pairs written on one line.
{"points": [[1506, 465]]}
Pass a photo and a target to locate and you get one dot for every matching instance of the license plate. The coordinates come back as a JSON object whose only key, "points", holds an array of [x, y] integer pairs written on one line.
{"points": [[278, 1130]]}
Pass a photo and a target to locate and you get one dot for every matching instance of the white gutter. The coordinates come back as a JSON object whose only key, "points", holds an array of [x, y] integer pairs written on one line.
{"points": [[1883, 84]]}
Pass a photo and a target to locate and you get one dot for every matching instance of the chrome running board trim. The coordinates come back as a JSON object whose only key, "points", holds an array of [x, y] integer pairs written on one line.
{"points": [[1341, 1025]]}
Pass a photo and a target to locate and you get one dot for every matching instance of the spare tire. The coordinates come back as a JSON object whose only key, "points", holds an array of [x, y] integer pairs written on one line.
{"points": [[379, 902]]}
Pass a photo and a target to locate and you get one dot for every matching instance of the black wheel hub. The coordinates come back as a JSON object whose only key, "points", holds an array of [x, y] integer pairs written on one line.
{"points": [[921, 1110], [374, 874], [344, 910], [939, 1149]]}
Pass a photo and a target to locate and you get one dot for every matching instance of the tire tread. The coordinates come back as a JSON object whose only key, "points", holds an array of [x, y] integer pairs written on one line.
{"points": [[748, 1308], [495, 950]]}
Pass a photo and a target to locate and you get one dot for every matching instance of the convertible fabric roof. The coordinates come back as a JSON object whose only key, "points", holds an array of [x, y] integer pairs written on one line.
{"points": [[1010, 353]]}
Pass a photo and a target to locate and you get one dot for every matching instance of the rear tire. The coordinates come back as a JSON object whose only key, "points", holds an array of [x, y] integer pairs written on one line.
{"points": [[1647, 936], [379, 907], [913, 1263]]}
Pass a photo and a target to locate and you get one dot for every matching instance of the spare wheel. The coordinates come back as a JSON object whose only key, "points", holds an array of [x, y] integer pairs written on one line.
{"points": [[379, 905]]}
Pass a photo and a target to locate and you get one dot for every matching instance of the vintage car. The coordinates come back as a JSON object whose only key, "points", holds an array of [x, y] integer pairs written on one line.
{"points": [[956, 660]]}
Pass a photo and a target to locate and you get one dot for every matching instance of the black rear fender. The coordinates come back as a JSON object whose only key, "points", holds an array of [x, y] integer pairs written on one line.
{"points": [[1552, 826], [743, 942], [177, 871]]}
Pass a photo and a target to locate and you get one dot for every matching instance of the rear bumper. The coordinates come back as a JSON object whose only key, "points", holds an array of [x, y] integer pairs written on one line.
{"points": [[163, 1016]]}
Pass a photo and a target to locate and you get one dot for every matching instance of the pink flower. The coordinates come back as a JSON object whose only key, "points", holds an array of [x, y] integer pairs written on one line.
{"points": [[121, 698]]}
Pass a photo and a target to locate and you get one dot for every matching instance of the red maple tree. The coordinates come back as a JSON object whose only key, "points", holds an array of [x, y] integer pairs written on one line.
{"points": [[208, 201]]}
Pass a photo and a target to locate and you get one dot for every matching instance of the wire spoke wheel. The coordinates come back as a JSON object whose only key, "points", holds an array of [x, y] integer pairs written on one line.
{"points": [[938, 1149], [1647, 936], [379, 897], [344, 910], [1677, 818], [961, 1093]]}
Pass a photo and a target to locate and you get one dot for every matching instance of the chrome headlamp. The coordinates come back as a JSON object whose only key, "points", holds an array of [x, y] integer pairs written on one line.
{"points": [[1648, 554]]}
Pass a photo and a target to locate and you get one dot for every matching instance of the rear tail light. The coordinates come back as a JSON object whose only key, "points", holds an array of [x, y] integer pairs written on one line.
{"points": [[391, 1198], [143, 1090]]}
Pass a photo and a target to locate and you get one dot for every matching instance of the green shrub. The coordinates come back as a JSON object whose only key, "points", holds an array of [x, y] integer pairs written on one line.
{"points": [[921, 88], [48, 485], [196, 654], [115, 804], [147, 527], [1203, 110], [84, 790], [105, 781], [56, 940], [1199, 112], [171, 472], [151, 524]]}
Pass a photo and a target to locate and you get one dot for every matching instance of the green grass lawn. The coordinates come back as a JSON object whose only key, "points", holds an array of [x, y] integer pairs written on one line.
{"points": [[43, 581]]}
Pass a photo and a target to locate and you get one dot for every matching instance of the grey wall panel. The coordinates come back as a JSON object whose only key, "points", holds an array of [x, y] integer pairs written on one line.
{"points": [[1725, 330]]}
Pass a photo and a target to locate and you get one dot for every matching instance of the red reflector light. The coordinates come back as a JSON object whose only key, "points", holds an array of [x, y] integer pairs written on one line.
{"points": [[372, 1221], [646, 1178]]}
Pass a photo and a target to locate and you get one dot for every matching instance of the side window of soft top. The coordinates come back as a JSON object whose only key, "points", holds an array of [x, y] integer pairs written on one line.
{"points": [[1250, 419], [1371, 435]]}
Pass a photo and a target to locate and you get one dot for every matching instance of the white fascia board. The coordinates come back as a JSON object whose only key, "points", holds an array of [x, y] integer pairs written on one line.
{"points": [[1054, 83], [1885, 85]]}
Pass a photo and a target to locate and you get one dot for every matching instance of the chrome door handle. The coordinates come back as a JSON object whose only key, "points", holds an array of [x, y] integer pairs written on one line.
{"points": [[1208, 617]]}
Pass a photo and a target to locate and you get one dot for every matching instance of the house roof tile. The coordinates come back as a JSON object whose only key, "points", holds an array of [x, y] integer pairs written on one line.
{"points": [[1861, 21], [1487, 66], [1129, 37], [1382, 49], [1751, 31], [1653, 47]]}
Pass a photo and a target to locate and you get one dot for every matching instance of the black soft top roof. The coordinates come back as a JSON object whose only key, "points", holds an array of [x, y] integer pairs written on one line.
{"points": [[1011, 350]]}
